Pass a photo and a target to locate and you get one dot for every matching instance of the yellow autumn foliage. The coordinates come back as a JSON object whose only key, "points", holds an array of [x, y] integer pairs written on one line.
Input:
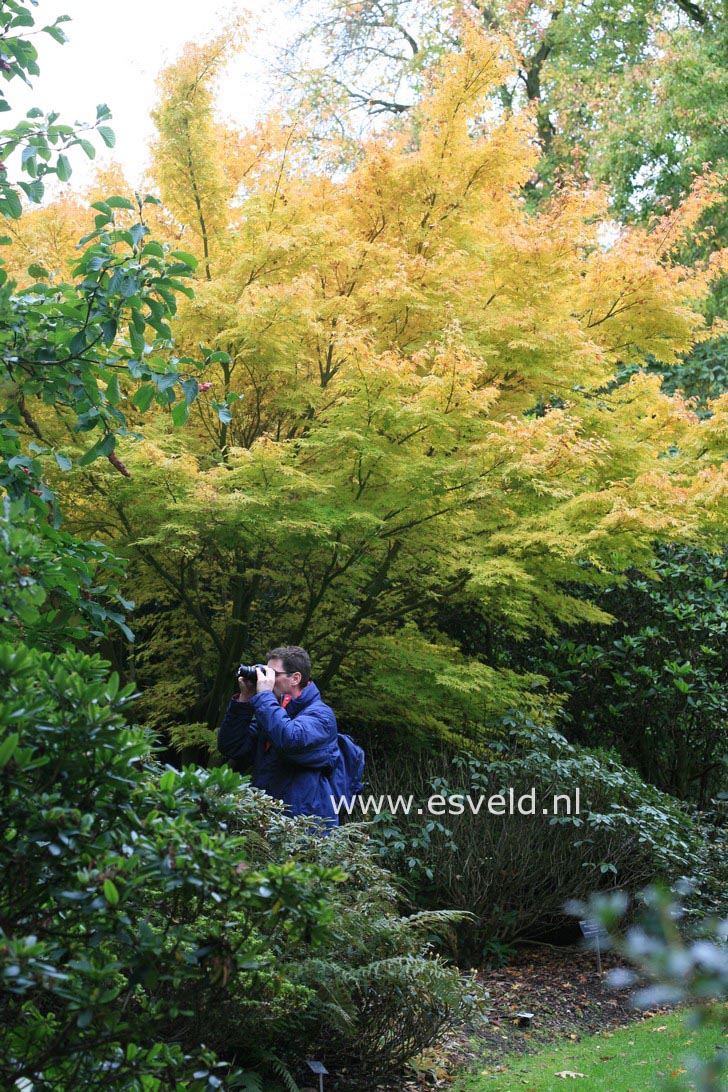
{"points": [[418, 405]]}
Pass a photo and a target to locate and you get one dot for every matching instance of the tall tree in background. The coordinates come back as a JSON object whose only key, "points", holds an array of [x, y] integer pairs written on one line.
{"points": [[634, 96]]}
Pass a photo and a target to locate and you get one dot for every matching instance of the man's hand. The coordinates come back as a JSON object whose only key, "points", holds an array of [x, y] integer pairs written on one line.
{"points": [[266, 679], [247, 689]]}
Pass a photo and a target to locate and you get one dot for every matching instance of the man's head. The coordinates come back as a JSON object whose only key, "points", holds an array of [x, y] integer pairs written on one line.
{"points": [[292, 666]]}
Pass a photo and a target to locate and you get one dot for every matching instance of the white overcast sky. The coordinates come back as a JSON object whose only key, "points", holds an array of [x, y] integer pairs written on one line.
{"points": [[114, 54]]}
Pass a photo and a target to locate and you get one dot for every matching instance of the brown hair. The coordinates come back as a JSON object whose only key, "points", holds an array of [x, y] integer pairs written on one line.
{"points": [[294, 658]]}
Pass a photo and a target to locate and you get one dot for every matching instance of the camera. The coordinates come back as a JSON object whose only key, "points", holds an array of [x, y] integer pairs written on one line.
{"points": [[249, 673]]}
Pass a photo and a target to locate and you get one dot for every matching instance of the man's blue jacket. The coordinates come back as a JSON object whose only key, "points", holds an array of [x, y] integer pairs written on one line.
{"points": [[292, 750]]}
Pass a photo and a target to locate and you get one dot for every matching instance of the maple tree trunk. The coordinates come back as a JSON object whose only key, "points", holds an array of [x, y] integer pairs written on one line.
{"points": [[234, 641], [372, 592]]}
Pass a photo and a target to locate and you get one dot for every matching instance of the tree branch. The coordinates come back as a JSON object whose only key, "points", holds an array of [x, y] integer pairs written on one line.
{"points": [[697, 14]]}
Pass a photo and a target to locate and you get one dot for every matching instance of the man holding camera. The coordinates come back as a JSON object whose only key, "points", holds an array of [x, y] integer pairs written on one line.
{"points": [[279, 724]]}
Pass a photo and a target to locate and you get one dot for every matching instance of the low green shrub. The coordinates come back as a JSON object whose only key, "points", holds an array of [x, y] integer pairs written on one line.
{"points": [[379, 993], [163, 928], [515, 872], [128, 913]]}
